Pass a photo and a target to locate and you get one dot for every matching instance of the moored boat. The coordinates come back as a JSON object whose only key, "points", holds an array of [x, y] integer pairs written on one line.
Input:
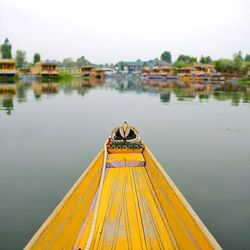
{"points": [[217, 77], [123, 200]]}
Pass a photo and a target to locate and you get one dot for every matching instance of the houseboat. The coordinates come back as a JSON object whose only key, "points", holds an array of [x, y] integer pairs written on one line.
{"points": [[207, 69], [158, 72], [207, 72], [45, 68], [92, 72], [7, 67], [24, 71], [193, 73], [75, 71], [185, 71]]}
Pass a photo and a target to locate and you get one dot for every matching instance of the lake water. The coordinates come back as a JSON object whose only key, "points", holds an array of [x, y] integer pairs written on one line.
{"points": [[50, 133]]}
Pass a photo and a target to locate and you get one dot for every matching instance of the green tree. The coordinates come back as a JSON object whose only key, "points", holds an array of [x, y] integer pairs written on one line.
{"points": [[225, 65], [6, 49], [187, 59], [82, 61], [36, 58], [68, 62], [121, 65], [246, 67], [206, 59], [180, 64], [166, 56], [193, 60], [247, 58], [20, 58], [238, 61]]}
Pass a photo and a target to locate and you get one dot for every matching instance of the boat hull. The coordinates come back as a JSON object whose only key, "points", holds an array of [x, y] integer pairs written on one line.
{"points": [[124, 200]]}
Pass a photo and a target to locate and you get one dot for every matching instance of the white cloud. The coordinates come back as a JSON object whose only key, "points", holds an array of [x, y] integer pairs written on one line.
{"points": [[108, 31]]}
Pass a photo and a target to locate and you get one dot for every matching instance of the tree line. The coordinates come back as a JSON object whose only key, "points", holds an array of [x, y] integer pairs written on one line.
{"points": [[238, 64], [21, 61], [6, 53]]}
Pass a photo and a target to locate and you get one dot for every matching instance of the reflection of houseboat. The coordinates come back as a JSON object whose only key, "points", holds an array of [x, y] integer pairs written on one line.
{"points": [[7, 92], [75, 71], [48, 88], [7, 89], [7, 67], [92, 72], [45, 68], [158, 72]]}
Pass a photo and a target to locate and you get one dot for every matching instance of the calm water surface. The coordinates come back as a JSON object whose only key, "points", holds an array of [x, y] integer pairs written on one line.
{"points": [[50, 133]]}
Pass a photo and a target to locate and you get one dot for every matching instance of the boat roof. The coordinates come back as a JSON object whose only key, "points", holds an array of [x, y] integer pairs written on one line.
{"points": [[202, 65], [11, 61], [47, 62]]}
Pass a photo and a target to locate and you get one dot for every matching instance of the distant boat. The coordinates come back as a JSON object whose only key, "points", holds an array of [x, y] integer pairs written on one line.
{"points": [[123, 200], [156, 76], [217, 77], [108, 72], [172, 77]]}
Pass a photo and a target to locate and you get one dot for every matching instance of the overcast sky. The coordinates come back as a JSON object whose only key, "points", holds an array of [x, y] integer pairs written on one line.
{"points": [[113, 30]]}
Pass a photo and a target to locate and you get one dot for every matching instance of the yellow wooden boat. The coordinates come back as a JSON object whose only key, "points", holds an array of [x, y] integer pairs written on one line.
{"points": [[123, 200]]}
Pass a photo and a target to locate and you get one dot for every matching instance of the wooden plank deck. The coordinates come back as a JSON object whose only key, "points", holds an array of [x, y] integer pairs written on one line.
{"points": [[130, 216]]}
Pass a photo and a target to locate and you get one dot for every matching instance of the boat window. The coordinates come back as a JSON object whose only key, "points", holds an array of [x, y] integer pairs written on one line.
{"points": [[131, 135], [118, 135]]}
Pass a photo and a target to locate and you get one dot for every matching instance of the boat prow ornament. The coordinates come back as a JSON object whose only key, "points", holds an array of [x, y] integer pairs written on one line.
{"points": [[125, 137]]}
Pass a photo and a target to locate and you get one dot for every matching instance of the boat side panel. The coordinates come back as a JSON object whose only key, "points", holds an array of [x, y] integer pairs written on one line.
{"points": [[188, 230], [61, 229]]}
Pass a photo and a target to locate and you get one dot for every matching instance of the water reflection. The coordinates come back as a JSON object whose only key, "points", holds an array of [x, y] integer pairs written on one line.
{"points": [[165, 96], [79, 86], [181, 91], [186, 91], [7, 93]]}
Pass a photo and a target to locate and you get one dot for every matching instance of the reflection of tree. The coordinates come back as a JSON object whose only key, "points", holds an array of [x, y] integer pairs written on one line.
{"points": [[127, 84], [235, 97], [203, 97], [21, 91], [165, 96], [246, 97], [233, 92], [188, 91], [7, 105], [184, 94], [81, 86], [81, 89], [183, 90]]}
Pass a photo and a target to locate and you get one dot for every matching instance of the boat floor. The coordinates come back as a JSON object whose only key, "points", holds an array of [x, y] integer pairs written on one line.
{"points": [[129, 215]]}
